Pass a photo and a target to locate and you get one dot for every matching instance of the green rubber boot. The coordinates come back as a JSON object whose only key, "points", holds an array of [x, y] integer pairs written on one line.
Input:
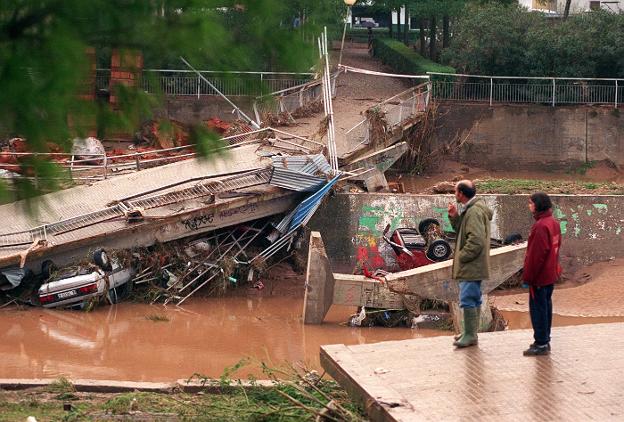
{"points": [[458, 336], [471, 324]]}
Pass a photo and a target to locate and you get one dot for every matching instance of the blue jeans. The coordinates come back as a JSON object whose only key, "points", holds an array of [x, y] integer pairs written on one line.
{"points": [[540, 308], [470, 293]]}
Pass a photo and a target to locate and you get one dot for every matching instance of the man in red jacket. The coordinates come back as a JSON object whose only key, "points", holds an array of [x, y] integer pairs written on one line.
{"points": [[541, 270]]}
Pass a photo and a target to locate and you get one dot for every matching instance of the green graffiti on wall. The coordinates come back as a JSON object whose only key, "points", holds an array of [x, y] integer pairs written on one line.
{"points": [[446, 223], [602, 208], [577, 225], [563, 224], [370, 222]]}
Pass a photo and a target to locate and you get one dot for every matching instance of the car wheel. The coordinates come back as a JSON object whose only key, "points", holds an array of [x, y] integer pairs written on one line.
{"points": [[438, 250], [512, 238], [47, 269], [101, 259], [424, 225]]}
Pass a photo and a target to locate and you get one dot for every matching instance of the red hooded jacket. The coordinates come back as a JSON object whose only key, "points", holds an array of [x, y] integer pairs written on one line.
{"points": [[541, 263]]}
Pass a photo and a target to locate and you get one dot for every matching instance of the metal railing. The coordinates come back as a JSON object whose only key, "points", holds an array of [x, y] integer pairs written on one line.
{"points": [[93, 167], [533, 90], [188, 83], [397, 111], [293, 99]]}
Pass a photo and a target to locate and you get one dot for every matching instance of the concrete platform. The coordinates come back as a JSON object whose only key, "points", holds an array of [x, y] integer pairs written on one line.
{"points": [[428, 380]]}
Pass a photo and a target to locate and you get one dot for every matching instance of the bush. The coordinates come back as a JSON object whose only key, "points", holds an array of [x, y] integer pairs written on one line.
{"points": [[509, 40], [405, 60]]}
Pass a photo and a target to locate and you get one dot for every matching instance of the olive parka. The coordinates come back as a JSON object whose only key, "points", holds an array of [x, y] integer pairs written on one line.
{"points": [[471, 260]]}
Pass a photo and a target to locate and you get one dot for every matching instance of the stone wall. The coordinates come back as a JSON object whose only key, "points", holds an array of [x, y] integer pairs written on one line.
{"points": [[533, 136], [352, 224]]}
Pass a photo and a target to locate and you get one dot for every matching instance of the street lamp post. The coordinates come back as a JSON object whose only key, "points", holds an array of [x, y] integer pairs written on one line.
{"points": [[349, 3]]}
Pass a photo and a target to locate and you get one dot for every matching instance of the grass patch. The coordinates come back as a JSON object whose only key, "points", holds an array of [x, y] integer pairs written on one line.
{"points": [[527, 186], [157, 318], [63, 389], [296, 395], [583, 168]]}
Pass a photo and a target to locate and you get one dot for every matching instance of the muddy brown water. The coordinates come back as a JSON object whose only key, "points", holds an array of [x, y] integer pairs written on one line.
{"points": [[123, 343]]}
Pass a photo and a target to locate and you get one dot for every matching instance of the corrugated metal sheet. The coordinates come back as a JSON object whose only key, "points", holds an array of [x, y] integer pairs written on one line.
{"points": [[294, 180], [301, 173], [306, 209], [315, 164]]}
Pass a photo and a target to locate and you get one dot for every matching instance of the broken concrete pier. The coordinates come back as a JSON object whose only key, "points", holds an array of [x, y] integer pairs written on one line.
{"points": [[325, 288]]}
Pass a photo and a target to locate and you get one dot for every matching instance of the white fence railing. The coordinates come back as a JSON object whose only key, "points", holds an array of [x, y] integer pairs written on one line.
{"points": [[94, 167], [188, 83], [291, 100], [397, 111], [519, 89]]}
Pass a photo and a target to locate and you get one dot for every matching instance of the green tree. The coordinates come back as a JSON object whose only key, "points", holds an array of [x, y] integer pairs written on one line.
{"points": [[509, 40], [491, 39], [44, 61]]}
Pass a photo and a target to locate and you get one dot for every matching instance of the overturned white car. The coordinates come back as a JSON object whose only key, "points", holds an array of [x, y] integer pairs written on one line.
{"points": [[74, 286]]}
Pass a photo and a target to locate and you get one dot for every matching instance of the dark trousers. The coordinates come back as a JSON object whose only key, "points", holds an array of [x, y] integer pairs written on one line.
{"points": [[540, 307]]}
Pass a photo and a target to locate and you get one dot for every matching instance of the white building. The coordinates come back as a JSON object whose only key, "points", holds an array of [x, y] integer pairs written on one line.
{"points": [[576, 6]]}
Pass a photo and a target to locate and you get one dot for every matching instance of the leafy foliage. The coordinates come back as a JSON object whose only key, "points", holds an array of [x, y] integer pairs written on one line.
{"points": [[404, 59], [509, 40], [44, 64]]}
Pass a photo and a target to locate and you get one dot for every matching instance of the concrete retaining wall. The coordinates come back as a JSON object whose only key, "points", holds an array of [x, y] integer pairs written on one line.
{"points": [[193, 110], [352, 224], [533, 136]]}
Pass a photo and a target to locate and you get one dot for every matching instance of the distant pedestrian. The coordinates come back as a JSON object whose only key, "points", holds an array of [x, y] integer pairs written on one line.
{"points": [[541, 270], [471, 260]]}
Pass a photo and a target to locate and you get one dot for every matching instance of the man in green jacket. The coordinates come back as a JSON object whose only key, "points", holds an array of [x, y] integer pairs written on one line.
{"points": [[471, 261]]}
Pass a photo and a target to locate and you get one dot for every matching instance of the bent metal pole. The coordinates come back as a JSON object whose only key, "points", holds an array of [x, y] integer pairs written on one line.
{"points": [[241, 112]]}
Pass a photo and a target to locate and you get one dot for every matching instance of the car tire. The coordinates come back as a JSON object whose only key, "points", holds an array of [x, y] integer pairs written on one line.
{"points": [[512, 238], [47, 269], [101, 259], [438, 250], [424, 225]]}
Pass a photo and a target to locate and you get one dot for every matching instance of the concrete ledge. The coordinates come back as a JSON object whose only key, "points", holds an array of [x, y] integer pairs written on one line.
{"points": [[112, 386]]}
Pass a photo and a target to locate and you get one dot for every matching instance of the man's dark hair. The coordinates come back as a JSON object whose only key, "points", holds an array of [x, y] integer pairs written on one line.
{"points": [[467, 188], [542, 201]]}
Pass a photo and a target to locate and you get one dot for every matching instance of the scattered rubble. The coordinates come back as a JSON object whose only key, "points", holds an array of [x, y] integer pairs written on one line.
{"points": [[88, 149]]}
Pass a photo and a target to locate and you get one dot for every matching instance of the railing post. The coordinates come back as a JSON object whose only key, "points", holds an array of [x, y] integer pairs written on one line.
{"points": [[136, 160], [616, 93], [491, 90], [71, 166], [105, 166], [553, 94], [198, 87]]}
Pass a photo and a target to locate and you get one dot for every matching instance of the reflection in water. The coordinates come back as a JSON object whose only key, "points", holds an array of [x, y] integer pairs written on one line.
{"points": [[121, 343], [544, 398]]}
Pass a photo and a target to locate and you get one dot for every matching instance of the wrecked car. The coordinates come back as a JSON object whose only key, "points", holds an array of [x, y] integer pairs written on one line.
{"points": [[418, 247], [75, 286], [71, 286], [428, 244]]}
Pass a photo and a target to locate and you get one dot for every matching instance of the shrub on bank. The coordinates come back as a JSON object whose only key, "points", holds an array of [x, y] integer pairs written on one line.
{"points": [[403, 59], [494, 39]]}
